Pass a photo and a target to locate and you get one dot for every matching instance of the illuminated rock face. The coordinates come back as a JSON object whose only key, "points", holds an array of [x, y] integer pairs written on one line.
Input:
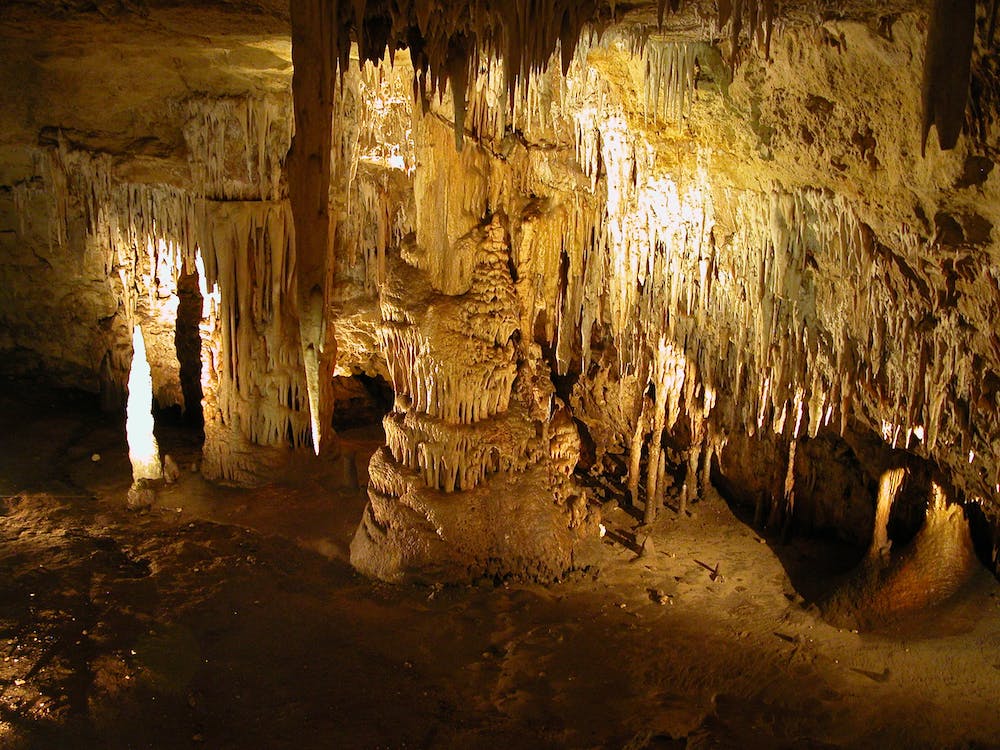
{"points": [[716, 265], [143, 452]]}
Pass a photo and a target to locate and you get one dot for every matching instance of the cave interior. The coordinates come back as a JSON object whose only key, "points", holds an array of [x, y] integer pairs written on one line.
{"points": [[507, 373]]}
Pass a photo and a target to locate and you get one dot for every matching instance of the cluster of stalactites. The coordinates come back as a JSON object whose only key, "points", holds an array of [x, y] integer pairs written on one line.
{"points": [[379, 221], [651, 249], [656, 267], [456, 390], [536, 107], [383, 113], [748, 290], [754, 18], [504, 64], [446, 40], [739, 296], [669, 80], [237, 145], [768, 313], [150, 234], [453, 458], [564, 88], [371, 167]]}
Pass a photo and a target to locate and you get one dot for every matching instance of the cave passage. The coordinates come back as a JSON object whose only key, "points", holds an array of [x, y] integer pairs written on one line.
{"points": [[360, 401], [187, 338]]}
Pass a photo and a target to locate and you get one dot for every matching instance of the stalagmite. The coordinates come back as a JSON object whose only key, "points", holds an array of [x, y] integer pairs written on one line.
{"points": [[143, 451], [663, 381], [635, 450], [889, 486], [473, 435], [690, 488]]}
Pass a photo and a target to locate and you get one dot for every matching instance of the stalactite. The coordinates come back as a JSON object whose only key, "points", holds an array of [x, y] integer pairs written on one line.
{"points": [[756, 16], [669, 81]]}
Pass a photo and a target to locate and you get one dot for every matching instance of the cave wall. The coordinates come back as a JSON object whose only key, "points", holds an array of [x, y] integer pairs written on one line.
{"points": [[762, 254], [701, 255]]}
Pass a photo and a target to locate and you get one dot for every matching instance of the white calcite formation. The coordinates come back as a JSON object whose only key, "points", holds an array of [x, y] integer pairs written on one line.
{"points": [[143, 451], [724, 298], [147, 235]]}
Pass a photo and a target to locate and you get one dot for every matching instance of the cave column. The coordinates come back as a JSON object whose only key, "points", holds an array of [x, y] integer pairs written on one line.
{"points": [[635, 449], [314, 53], [476, 475], [655, 467]]}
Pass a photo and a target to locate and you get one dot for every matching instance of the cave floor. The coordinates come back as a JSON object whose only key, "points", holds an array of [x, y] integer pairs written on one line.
{"points": [[228, 618]]}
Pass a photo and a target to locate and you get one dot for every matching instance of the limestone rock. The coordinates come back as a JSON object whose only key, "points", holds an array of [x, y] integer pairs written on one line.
{"points": [[171, 471]]}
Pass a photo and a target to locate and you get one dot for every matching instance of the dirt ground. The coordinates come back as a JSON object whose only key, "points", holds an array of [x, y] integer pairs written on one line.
{"points": [[226, 618]]}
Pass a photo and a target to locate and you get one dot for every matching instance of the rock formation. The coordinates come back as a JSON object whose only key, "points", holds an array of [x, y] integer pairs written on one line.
{"points": [[475, 477], [697, 244]]}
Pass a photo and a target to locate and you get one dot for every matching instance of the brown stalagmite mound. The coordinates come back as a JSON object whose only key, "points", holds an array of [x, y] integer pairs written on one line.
{"points": [[930, 570]]}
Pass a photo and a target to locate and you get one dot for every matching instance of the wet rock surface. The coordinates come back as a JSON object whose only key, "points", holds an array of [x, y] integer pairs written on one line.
{"points": [[209, 622]]}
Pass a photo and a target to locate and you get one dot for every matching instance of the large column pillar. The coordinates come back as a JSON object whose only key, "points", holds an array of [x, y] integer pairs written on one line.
{"points": [[314, 56], [475, 476]]}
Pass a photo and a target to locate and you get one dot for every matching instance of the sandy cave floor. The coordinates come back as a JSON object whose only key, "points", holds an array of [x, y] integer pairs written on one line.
{"points": [[228, 618]]}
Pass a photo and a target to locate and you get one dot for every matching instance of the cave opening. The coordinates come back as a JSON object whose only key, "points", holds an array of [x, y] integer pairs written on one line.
{"points": [[361, 401], [187, 339]]}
